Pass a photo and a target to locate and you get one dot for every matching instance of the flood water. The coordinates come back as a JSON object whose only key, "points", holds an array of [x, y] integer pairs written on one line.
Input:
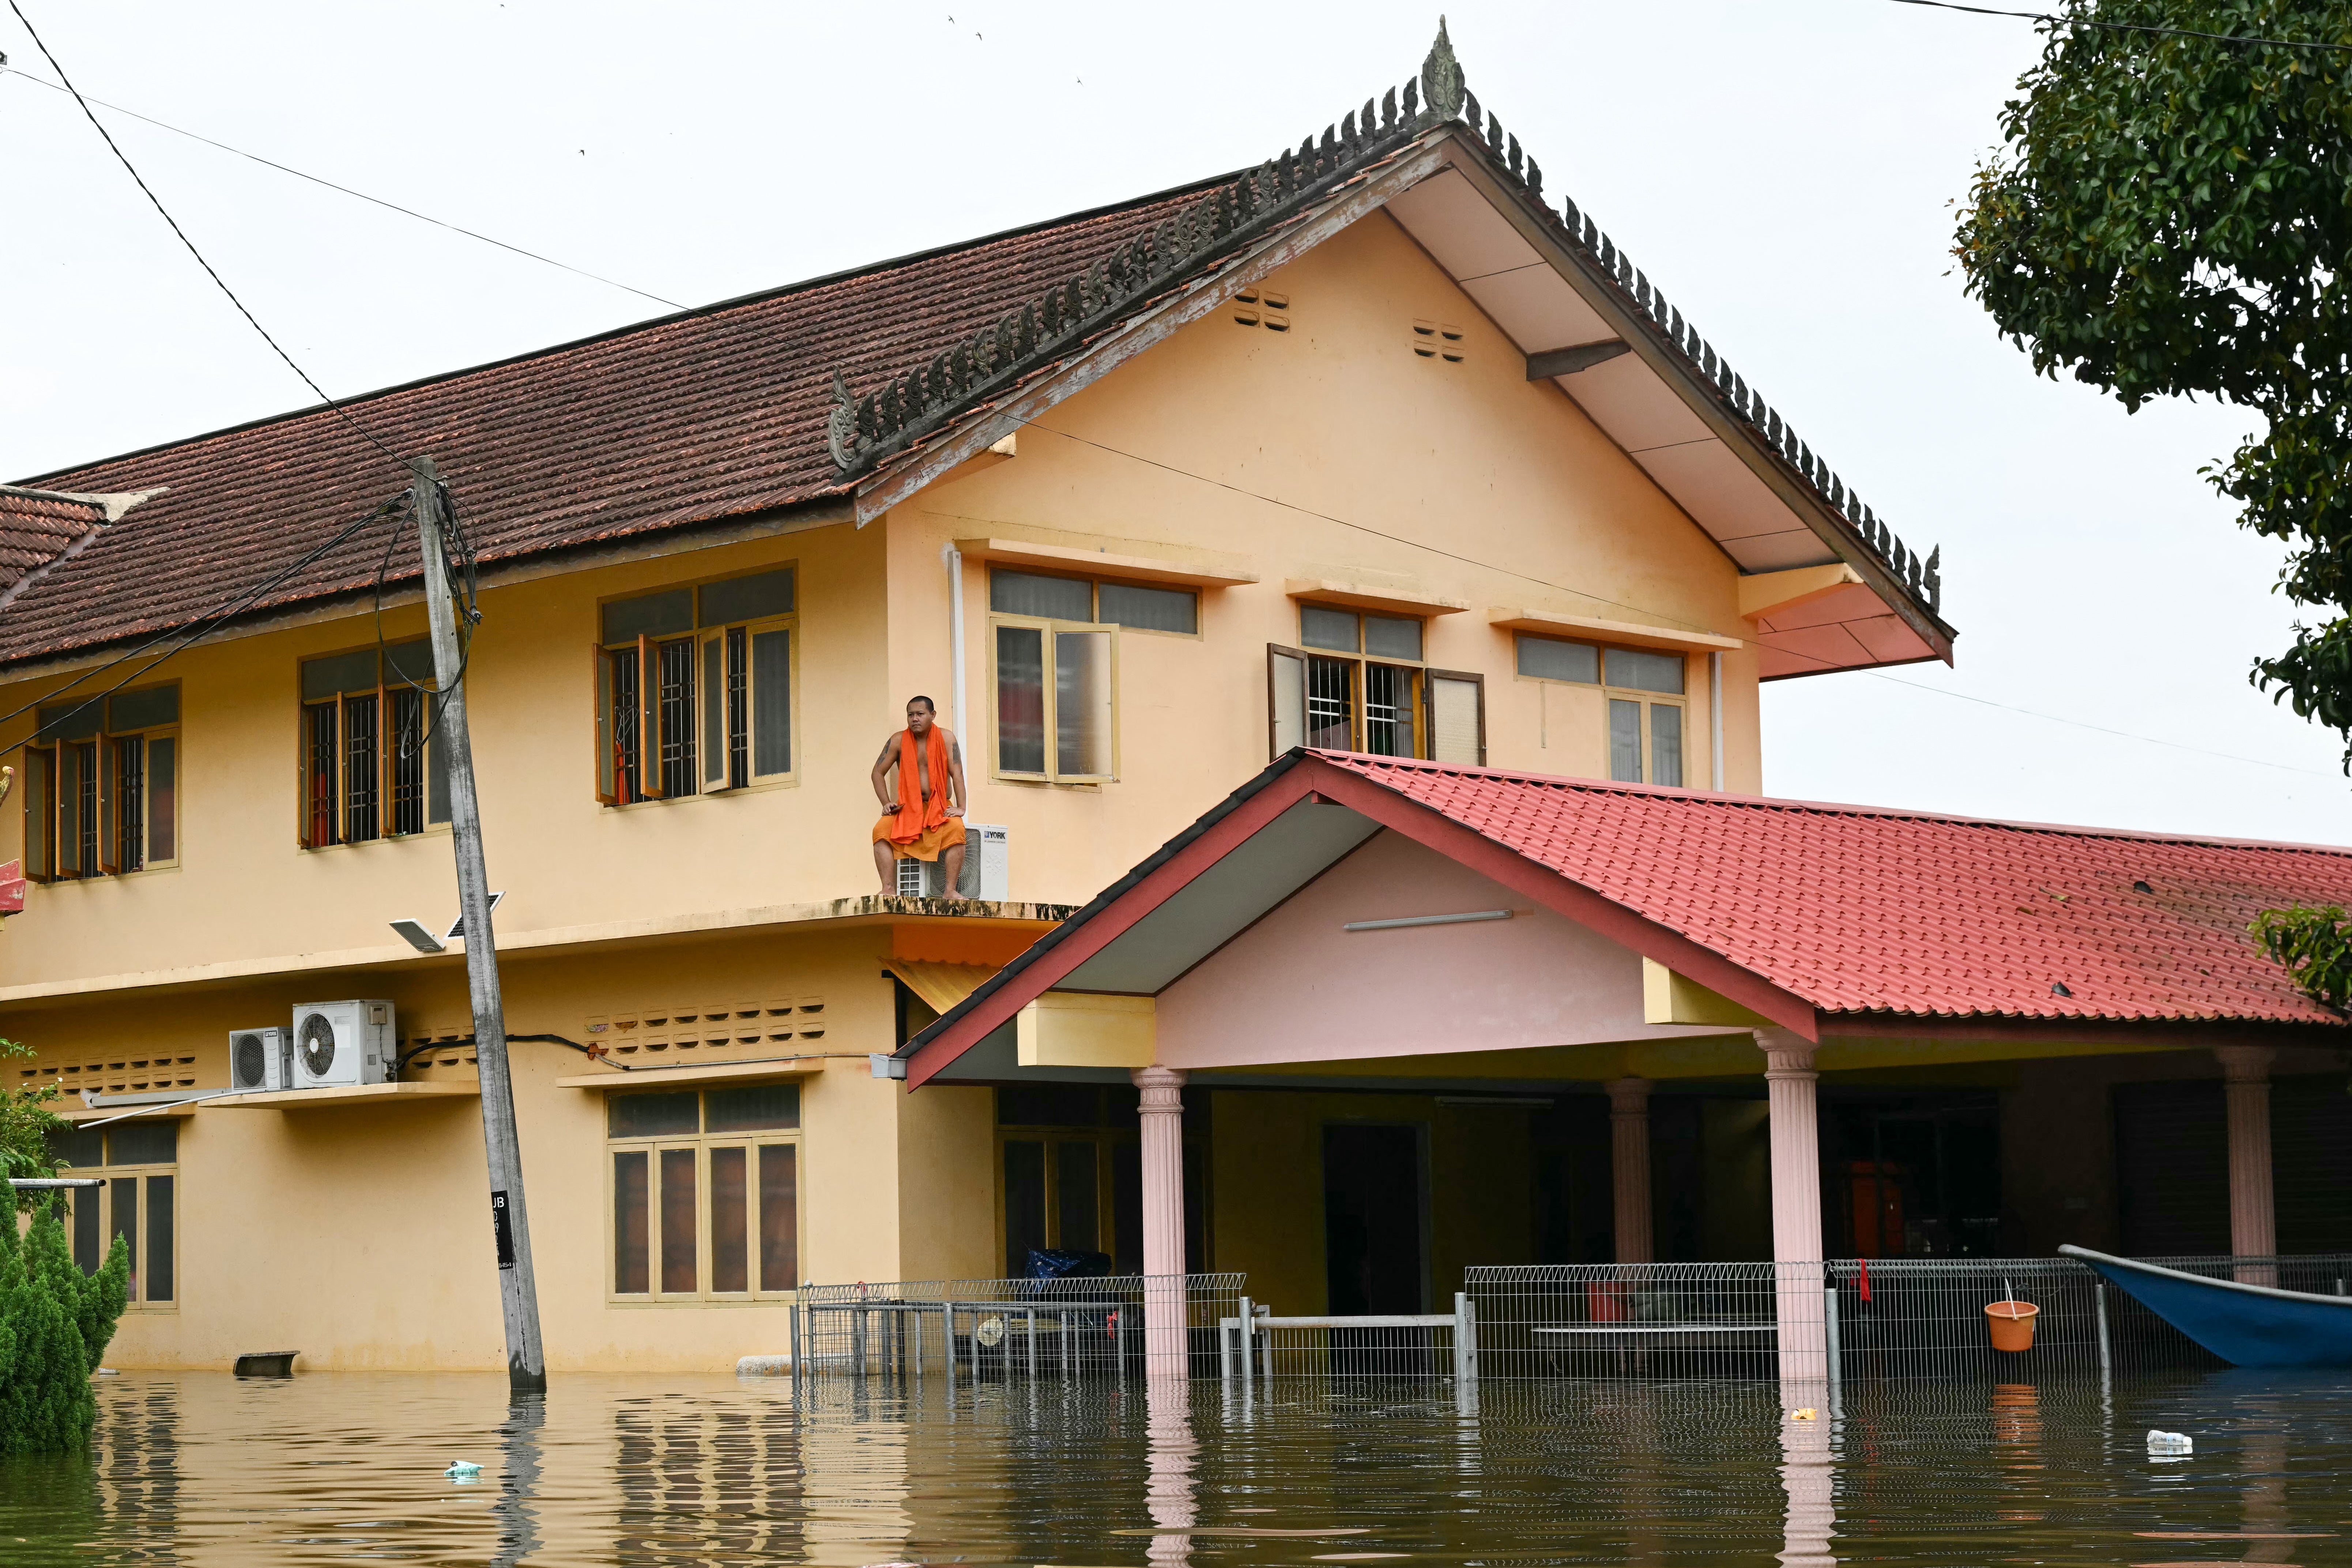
{"points": [[347, 1467]]}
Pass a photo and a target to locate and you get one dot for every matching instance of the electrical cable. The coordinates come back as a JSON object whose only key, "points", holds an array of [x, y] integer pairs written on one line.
{"points": [[203, 629], [346, 189], [91, 116], [2125, 26], [1488, 566]]}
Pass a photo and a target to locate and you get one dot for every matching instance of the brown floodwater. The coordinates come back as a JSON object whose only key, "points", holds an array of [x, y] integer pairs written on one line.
{"points": [[349, 1468]]}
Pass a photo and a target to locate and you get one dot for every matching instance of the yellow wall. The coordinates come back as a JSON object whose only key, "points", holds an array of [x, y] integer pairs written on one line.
{"points": [[1339, 416], [357, 1235], [1267, 1184]]}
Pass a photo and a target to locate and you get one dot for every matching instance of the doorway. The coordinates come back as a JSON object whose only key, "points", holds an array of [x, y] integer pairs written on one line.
{"points": [[1372, 1212]]}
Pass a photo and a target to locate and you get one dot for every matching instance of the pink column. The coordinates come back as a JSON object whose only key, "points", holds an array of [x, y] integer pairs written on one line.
{"points": [[1789, 1080], [1629, 1167], [1163, 1220], [2253, 1229]]}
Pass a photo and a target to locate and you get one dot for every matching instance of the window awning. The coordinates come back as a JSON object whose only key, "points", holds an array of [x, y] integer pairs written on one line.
{"points": [[940, 985]]}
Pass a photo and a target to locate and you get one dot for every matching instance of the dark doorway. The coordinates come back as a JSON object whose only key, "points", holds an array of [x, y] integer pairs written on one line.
{"points": [[1371, 1218]]}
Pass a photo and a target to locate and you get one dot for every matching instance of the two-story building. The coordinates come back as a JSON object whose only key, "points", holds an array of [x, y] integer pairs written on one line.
{"points": [[1381, 447]]}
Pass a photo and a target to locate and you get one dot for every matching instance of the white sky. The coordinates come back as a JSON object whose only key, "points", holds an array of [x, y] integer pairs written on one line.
{"points": [[1786, 171]]}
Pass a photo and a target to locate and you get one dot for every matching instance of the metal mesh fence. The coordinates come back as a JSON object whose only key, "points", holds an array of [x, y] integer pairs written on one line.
{"points": [[1848, 1320], [1407, 1347], [995, 1330]]}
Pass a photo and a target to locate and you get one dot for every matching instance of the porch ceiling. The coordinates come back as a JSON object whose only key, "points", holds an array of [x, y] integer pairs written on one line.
{"points": [[1208, 911]]}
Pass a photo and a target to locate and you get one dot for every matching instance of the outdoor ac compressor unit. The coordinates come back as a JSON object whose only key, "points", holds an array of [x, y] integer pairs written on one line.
{"points": [[984, 850], [337, 1044], [261, 1060]]}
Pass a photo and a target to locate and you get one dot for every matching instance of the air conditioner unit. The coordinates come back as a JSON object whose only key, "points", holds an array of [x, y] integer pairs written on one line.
{"points": [[984, 874], [261, 1060], [338, 1043]]}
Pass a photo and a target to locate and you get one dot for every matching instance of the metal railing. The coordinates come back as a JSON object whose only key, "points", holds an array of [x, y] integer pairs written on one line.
{"points": [[1255, 1346], [1845, 1321], [994, 1329]]}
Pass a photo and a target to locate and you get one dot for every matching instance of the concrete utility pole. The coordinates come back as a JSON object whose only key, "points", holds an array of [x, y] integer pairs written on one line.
{"points": [[510, 1223]]}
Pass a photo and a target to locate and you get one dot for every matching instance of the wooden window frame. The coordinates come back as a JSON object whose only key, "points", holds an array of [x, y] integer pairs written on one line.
{"points": [[1050, 629], [103, 1195], [608, 770], [45, 857], [1680, 700], [1425, 739], [387, 753], [702, 1143], [1106, 1181]]}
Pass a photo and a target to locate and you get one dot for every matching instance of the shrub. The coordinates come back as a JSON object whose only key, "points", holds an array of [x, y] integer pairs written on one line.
{"points": [[55, 1324]]}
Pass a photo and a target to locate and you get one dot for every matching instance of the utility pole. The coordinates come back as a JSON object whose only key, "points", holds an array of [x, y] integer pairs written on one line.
{"points": [[510, 1224]]}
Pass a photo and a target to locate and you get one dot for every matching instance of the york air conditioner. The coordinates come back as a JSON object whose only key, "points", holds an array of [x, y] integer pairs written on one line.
{"points": [[338, 1043], [261, 1060], [984, 874]]}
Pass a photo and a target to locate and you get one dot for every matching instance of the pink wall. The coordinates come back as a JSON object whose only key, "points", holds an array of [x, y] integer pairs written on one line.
{"points": [[1295, 987]]}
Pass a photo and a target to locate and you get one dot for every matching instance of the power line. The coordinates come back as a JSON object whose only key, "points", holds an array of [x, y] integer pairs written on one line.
{"points": [[362, 195], [2125, 28], [204, 629], [1642, 610], [91, 115]]}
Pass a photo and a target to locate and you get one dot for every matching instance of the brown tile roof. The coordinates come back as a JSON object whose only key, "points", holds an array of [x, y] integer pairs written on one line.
{"points": [[713, 413], [37, 527]]}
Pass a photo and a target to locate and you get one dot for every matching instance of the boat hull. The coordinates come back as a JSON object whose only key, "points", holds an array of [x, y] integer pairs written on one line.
{"points": [[2245, 1325]]}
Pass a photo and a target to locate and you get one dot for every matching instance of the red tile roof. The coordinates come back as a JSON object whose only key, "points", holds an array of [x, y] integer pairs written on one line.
{"points": [[1858, 909], [713, 413], [36, 528]]}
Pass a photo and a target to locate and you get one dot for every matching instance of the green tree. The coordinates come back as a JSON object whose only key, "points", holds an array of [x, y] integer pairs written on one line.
{"points": [[2171, 215], [55, 1324], [26, 1127]]}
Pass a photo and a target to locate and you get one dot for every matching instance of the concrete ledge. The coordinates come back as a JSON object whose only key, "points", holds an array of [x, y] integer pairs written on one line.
{"points": [[350, 1095]]}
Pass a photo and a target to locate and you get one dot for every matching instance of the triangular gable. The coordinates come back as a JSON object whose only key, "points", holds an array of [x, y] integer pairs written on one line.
{"points": [[1583, 315], [1252, 851]]}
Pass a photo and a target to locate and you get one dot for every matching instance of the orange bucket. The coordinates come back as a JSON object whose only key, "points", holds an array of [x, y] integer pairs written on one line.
{"points": [[2011, 1323]]}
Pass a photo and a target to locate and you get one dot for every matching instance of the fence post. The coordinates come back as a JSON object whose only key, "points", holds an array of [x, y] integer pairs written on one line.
{"points": [[947, 1345], [857, 1341], [2106, 1354], [1248, 1342], [1465, 1354], [1830, 1330], [792, 1334]]}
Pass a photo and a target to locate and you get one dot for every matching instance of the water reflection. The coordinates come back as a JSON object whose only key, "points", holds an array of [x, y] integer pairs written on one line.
{"points": [[638, 1472]]}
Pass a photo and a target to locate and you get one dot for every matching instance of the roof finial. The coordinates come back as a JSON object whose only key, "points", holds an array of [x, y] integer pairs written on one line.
{"points": [[1441, 80]]}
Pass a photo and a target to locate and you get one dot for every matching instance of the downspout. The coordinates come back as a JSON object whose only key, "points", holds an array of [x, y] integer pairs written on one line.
{"points": [[1714, 716], [954, 559]]}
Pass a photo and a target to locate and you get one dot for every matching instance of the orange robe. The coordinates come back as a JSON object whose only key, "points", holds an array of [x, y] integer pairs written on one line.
{"points": [[920, 829]]}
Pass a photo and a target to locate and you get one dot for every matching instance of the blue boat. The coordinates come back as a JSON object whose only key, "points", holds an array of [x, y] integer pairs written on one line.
{"points": [[2245, 1325]]}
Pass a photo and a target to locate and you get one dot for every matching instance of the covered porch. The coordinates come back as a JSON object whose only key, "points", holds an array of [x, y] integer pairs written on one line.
{"points": [[1368, 1025]]}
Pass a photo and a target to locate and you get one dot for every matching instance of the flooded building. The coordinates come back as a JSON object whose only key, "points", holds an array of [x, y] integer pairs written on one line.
{"points": [[1380, 447]]}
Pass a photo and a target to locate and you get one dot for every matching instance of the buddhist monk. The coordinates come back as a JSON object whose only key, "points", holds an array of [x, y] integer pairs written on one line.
{"points": [[922, 812]]}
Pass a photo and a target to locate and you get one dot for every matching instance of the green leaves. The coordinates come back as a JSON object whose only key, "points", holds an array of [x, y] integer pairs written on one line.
{"points": [[55, 1324], [2314, 947], [25, 1123], [2171, 217]]}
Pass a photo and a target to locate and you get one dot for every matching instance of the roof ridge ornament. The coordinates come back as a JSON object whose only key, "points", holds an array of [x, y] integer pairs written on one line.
{"points": [[1442, 86]]}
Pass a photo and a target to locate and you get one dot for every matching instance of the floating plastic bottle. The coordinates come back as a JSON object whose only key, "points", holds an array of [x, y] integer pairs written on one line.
{"points": [[2169, 1442]]}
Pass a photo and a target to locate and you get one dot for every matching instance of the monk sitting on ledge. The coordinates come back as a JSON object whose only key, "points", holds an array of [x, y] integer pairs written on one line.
{"points": [[922, 819]]}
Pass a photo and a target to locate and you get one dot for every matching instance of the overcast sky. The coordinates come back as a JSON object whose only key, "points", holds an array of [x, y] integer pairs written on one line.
{"points": [[1785, 170]]}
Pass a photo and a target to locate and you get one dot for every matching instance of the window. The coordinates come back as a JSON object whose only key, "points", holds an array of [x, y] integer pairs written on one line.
{"points": [[1357, 683], [370, 764], [139, 1202], [1072, 1182], [1646, 733], [706, 1193], [694, 690], [1057, 666], [102, 786]]}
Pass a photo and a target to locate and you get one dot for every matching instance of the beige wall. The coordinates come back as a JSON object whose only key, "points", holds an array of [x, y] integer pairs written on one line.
{"points": [[1266, 1180], [356, 1234]]}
